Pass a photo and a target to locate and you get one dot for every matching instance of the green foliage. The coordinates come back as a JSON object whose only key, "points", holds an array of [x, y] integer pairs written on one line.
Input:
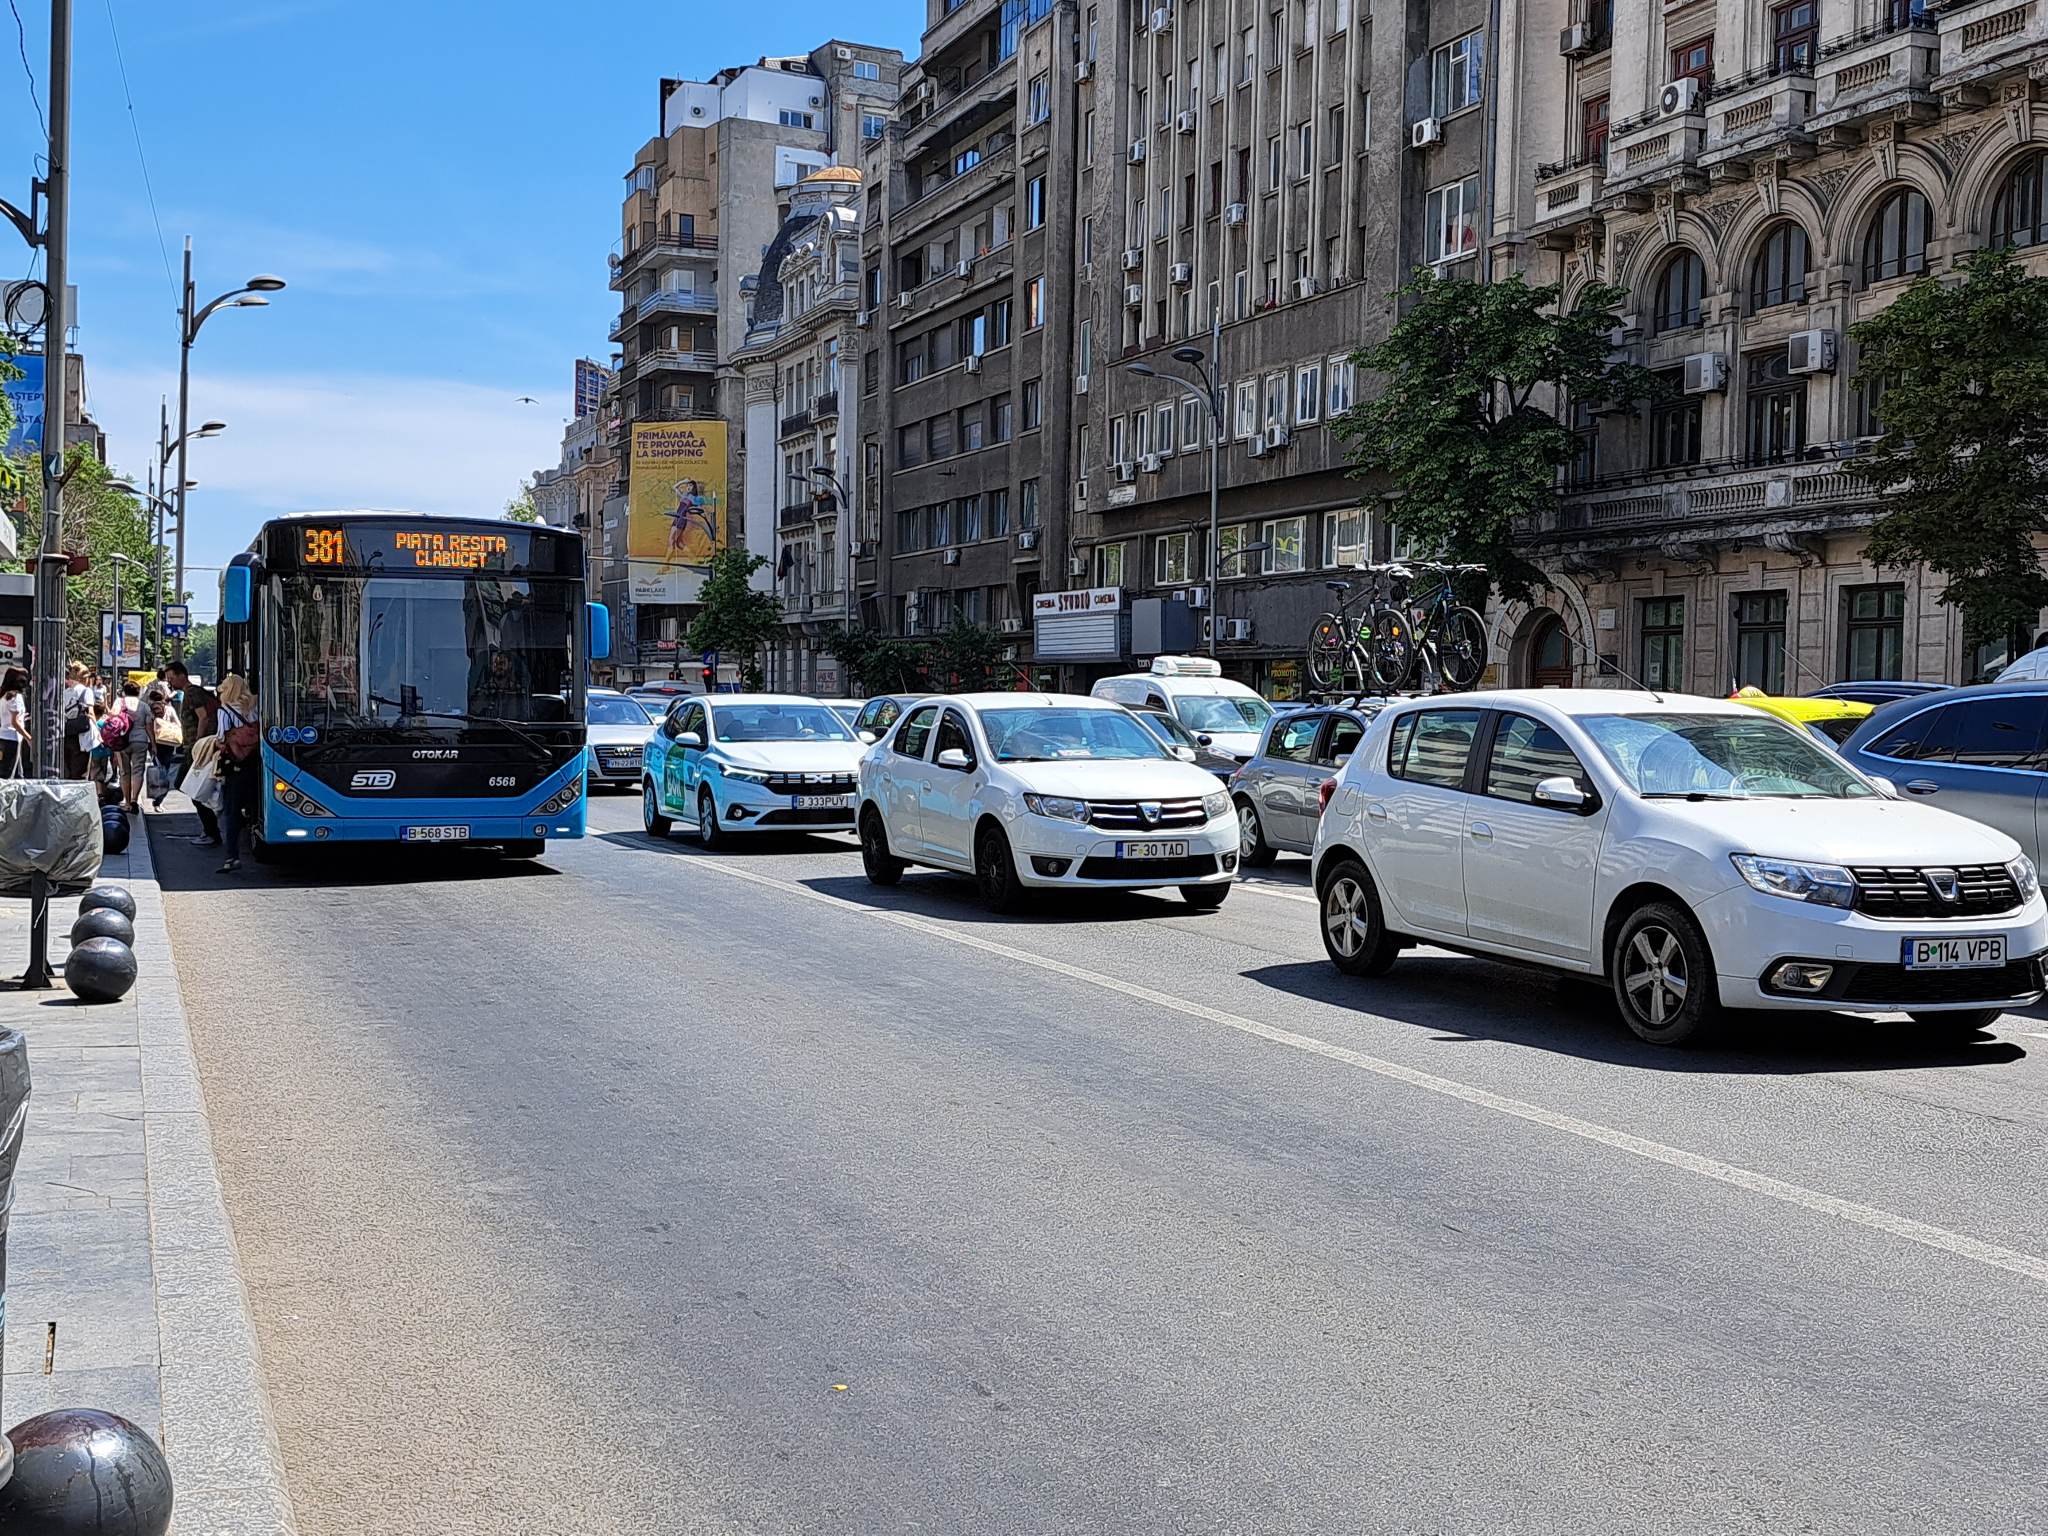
{"points": [[968, 658], [735, 619], [1460, 430], [520, 509], [10, 471], [202, 650], [963, 658], [875, 662], [1962, 469], [99, 522]]}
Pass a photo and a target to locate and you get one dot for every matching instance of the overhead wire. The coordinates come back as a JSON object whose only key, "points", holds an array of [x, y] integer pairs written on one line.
{"points": [[135, 127], [21, 36]]}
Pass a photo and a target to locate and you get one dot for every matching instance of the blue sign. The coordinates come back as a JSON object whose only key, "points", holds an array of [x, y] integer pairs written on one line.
{"points": [[25, 396], [177, 620]]}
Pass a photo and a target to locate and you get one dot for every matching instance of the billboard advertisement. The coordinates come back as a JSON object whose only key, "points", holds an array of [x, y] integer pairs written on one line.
{"points": [[25, 396], [130, 656], [677, 515]]}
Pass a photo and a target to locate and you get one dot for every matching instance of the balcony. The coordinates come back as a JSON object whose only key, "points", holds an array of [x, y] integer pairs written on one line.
{"points": [[1762, 115], [1985, 40], [663, 302], [668, 360], [955, 194], [651, 247], [794, 424], [963, 105], [1567, 198], [1880, 71], [1654, 150], [826, 407], [798, 514], [1702, 498]]}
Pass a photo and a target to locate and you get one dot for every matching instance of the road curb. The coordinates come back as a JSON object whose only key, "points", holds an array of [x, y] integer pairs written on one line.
{"points": [[218, 1433]]}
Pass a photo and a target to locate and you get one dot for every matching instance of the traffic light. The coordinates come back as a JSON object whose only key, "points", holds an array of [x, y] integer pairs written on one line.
{"points": [[710, 677]]}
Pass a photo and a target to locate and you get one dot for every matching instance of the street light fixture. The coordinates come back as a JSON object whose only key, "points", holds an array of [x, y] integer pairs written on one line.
{"points": [[1210, 393]]}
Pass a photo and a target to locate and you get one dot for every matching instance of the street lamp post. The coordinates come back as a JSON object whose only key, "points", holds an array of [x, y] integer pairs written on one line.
{"points": [[118, 649], [161, 506], [249, 296], [1210, 393]]}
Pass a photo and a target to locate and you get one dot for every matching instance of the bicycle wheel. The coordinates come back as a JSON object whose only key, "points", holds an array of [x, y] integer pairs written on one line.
{"points": [[1392, 651], [1461, 647], [1326, 652]]}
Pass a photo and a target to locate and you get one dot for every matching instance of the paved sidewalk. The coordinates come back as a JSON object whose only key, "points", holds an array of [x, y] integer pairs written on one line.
{"points": [[124, 1291]]}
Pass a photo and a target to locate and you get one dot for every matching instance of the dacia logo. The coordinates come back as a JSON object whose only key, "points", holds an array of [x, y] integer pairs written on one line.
{"points": [[373, 778], [1149, 809], [1947, 885]]}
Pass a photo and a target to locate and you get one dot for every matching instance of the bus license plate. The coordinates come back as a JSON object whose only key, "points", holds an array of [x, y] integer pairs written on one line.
{"points": [[1151, 850], [823, 802], [1980, 954], [434, 835]]}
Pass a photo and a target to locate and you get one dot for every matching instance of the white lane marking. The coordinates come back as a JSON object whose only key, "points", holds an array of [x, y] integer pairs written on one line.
{"points": [[1959, 1244], [1275, 888]]}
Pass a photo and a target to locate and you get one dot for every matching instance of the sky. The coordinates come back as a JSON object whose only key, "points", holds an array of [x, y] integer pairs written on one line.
{"points": [[437, 182]]}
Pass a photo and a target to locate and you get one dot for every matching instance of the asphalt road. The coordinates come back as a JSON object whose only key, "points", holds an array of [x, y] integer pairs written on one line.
{"points": [[636, 1190]]}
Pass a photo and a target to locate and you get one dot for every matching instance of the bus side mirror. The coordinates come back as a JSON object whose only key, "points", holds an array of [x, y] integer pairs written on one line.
{"points": [[237, 596], [600, 631]]}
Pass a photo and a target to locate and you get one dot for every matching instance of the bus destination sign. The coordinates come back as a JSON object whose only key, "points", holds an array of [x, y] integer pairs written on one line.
{"points": [[397, 548]]}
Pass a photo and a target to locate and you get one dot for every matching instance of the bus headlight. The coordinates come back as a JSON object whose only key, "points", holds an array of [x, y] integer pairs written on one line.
{"points": [[561, 800], [292, 800]]}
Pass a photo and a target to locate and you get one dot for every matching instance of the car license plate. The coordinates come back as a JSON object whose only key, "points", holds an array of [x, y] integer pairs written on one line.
{"points": [[1954, 954], [434, 835], [1151, 850], [823, 802]]}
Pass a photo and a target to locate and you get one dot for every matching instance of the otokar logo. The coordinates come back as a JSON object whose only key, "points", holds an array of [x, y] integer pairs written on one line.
{"points": [[437, 754], [373, 778]]}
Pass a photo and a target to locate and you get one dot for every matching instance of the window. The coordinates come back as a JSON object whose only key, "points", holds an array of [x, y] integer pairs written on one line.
{"points": [[1995, 732], [1241, 292], [1694, 61], [1308, 393], [1334, 132], [1868, 403], [999, 420], [1874, 636], [1294, 738], [940, 436], [1088, 137], [999, 323], [1141, 432], [1457, 75], [941, 525], [1034, 404], [1365, 119], [1109, 565], [1273, 172], [1451, 222], [1525, 753], [1286, 546], [1085, 353], [967, 159], [1896, 245], [1434, 749], [1250, 48], [1162, 428], [1173, 559], [1230, 542], [1276, 399], [1593, 128], [910, 531], [1027, 504], [1674, 424], [971, 518], [1760, 641], [1034, 203], [1344, 538], [866, 69], [1034, 303], [1273, 40], [873, 125], [1192, 415], [2019, 215], [790, 119], [1247, 408], [1304, 148], [1680, 289], [915, 731], [973, 427], [910, 446], [1038, 99], [1337, 371], [999, 513], [1779, 276], [1777, 407], [1663, 655], [1117, 441], [1795, 37]]}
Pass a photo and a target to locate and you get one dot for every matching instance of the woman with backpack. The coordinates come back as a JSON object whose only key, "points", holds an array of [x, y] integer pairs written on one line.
{"points": [[238, 763], [81, 733], [125, 733]]}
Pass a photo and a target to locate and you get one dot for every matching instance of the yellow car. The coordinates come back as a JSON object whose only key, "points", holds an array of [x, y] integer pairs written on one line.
{"points": [[1832, 720]]}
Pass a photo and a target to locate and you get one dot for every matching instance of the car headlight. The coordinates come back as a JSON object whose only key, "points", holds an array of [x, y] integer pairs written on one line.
{"points": [[1058, 807], [1216, 805], [2025, 876], [744, 775], [1828, 885]]}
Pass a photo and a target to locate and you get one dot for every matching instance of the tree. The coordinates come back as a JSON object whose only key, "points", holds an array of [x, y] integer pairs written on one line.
{"points": [[202, 650], [521, 508], [735, 619], [1961, 376], [878, 663], [1465, 427], [964, 656], [99, 522], [968, 657]]}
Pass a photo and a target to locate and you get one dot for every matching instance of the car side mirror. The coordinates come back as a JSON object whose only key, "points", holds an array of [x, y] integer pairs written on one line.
{"points": [[1885, 786], [1205, 739], [1185, 754], [867, 738], [689, 739], [954, 759], [1561, 792]]}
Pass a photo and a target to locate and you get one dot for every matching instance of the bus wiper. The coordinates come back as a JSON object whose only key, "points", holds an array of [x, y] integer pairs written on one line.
{"points": [[513, 726]]}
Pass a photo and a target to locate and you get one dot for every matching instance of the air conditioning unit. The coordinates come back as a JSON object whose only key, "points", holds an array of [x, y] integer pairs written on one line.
{"points": [[864, 318], [1162, 18], [1149, 463], [843, 55], [1425, 133], [1010, 626], [1080, 492], [1234, 213], [1237, 631], [1680, 96], [1706, 373], [1134, 257], [1810, 352], [972, 362], [1304, 287], [1277, 437], [1184, 123], [1134, 295], [1196, 597], [1137, 152], [1182, 273], [1255, 445], [903, 301], [1125, 471], [1576, 40], [1084, 71], [1028, 539], [950, 557], [1081, 385], [864, 550], [1077, 565]]}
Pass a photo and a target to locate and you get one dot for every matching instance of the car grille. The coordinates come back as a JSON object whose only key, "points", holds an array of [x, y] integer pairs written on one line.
{"points": [[810, 784], [1125, 815], [1896, 985], [1905, 891], [1191, 868], [618, 759]]}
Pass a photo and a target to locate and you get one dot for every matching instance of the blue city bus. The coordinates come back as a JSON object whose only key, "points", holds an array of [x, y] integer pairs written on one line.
{"points": [[420, 678]]}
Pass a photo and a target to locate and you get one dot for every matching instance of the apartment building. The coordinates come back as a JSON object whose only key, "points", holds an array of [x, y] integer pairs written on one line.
{"points": [[704, 198], [799, 369], [969, 288], [1760, 175]]}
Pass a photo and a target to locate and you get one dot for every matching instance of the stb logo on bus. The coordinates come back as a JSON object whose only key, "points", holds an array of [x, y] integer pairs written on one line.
{"points": [[373, 778]]}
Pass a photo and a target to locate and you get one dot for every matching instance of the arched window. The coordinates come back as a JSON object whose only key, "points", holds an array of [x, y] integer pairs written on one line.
{"points": [[1679, 291], [1779, 276], [2020, 216], [1896, 245]]}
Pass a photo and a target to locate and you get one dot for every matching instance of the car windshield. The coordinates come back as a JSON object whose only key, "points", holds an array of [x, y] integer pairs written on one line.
{"points": [[1839, 730], [1232, 713], [615, 712], [1060, 734], [739, 723], [847, 713], [1720, 757], [1166, 728]]}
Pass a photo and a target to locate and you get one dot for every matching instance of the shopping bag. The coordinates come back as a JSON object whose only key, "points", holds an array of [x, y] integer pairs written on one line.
{"points": [[203, 785]]}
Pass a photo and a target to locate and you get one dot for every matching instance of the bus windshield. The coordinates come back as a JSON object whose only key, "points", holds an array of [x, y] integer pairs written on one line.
{"points": [[426, 651]]}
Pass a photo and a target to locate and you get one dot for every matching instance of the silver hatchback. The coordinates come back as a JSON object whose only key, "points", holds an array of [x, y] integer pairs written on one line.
{"points": [[1278, 790]]}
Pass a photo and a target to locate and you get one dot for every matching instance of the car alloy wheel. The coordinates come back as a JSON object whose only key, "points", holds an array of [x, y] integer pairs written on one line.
{"points": [[1354, 930], [1345, 918], [883, 867], [995, 872], [1663, 976], [657, 825], [708, 833], [1253, 851], [1653, 975]]}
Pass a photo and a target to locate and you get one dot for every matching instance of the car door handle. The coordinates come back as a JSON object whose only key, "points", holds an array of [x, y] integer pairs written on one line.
{"points": [[1481, 832], [1376, 812], [1921, 787], [927, 786]]}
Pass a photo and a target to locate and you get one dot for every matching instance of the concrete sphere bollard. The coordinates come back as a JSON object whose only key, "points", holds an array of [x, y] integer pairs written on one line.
{"points": [[79, 1470], [114, 829], [115, 896], [103, 923], [100, 971]]}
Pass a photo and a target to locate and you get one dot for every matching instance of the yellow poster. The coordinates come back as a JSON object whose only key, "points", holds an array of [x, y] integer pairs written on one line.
{"points": [[676, 509]]}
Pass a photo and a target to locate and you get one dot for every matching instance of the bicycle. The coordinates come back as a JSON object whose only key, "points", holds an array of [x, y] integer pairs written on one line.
{"points": [[1341, 648], [1434, 632]]}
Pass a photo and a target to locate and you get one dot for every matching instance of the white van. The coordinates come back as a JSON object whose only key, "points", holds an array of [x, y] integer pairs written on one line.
{"points": [[1193, 689]]}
